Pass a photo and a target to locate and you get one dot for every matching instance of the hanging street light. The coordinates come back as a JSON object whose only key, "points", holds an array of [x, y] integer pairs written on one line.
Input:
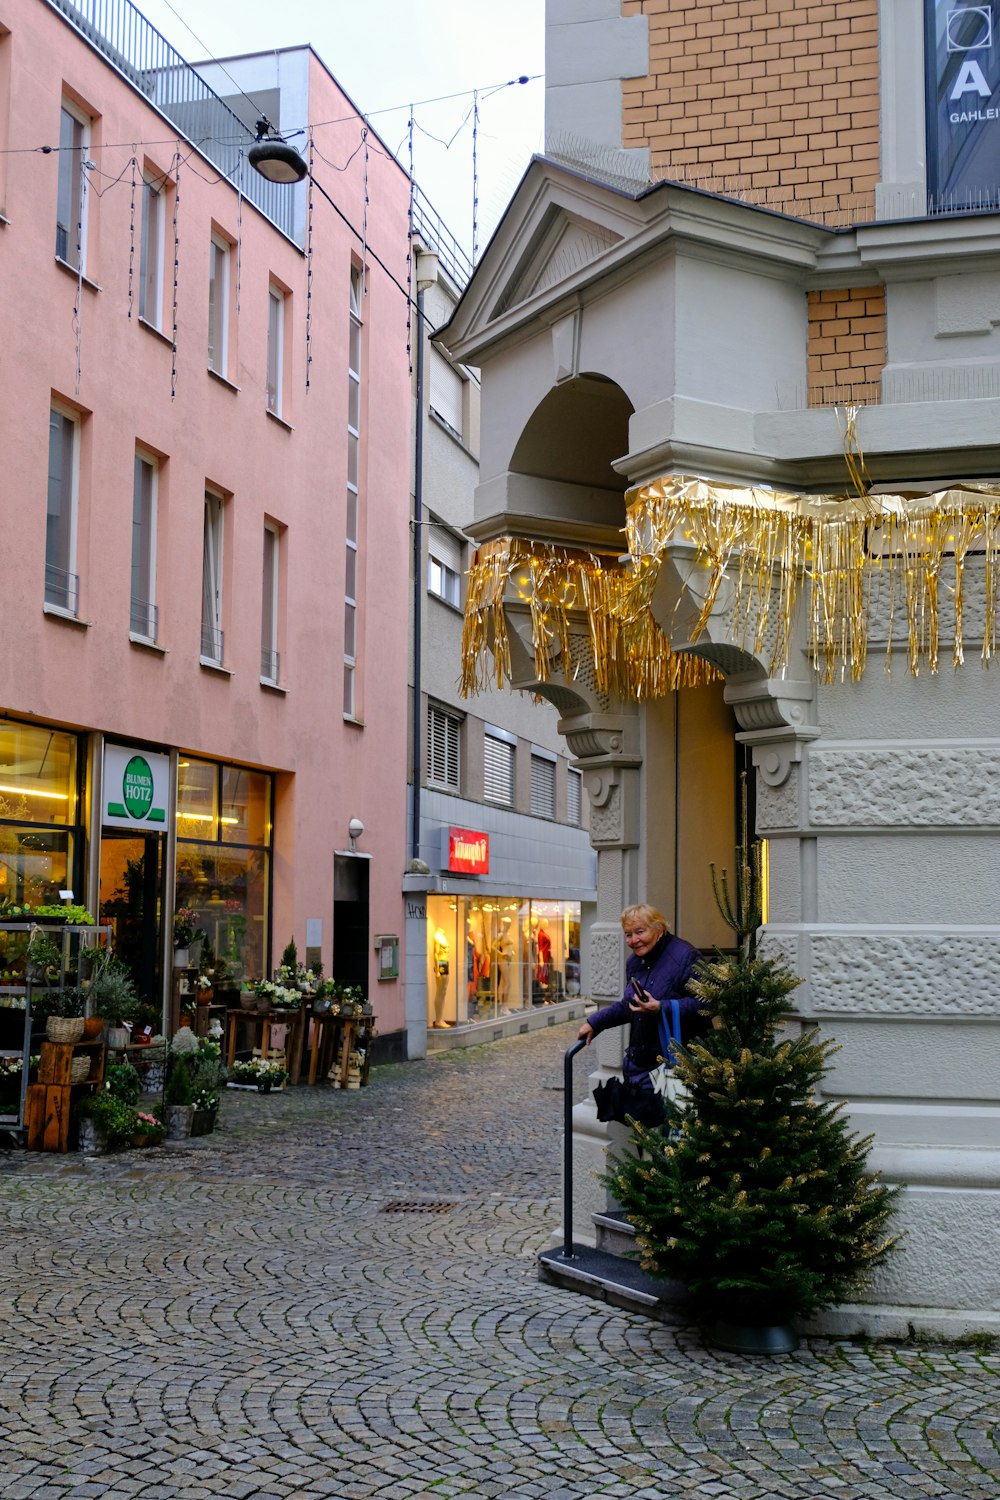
{"points": [[273, 157]]}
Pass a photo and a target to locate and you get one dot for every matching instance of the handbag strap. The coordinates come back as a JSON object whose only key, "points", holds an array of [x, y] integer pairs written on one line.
{"points": [[670, 1029]]}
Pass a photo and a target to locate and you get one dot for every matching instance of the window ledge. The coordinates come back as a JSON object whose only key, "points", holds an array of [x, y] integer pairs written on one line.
{"points": [[273, 415], [58, 613], [156, 332], [442, 786], [455, 608], [224, 381], [215, 666], [456, 437], [64, 265], [350, 719], [273, 687], [147, 644]]}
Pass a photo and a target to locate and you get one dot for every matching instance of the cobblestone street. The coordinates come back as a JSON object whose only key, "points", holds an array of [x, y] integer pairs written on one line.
{"points": [[336, 1295]]}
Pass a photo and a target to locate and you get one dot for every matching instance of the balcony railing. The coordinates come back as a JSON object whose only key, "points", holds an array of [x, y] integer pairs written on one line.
{"points": [[144, 620], [122, 35], [432, 229], [62, 589], [213, 641]]}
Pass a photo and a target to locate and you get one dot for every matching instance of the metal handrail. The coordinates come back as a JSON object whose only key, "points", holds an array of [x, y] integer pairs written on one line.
{"points": [[567, 1249]]}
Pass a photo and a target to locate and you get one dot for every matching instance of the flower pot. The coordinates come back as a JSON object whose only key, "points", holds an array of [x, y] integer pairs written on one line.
{"points": [[194, 951], [181, 958], [147, 1138], [752, 1338], [64, 1028], [117, 1038], [179, 1120], [93, 1027], [91, 1139], [248, 1000], [203, 1121]]}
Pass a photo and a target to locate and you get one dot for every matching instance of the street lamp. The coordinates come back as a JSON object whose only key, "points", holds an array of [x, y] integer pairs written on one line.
{"points": [[273, 157]]}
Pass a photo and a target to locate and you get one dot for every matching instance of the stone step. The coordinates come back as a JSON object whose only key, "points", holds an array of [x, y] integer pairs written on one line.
{"points": [[615, 1280], [615, 1234]]}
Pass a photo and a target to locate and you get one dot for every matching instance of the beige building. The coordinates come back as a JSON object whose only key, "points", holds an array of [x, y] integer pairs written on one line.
{"points": [[738, 504]]}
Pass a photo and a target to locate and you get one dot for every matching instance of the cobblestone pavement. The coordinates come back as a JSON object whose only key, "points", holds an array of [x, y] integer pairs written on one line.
{"points": [[256, 1316]]}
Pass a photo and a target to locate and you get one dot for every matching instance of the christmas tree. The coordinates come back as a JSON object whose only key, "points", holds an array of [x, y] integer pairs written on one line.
{"points": [[755, 1194]]}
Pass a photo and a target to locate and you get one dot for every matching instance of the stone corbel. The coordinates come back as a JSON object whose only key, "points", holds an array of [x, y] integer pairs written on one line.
{"points": [[774, 718]]}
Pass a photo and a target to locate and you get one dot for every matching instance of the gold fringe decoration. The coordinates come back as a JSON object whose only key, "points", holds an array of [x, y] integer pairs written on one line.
{"points": [[848, 561], [631, 654]]}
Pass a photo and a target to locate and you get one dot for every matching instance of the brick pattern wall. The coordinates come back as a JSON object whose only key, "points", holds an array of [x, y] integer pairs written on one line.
{"points": [[846, 347], [776, 101]]}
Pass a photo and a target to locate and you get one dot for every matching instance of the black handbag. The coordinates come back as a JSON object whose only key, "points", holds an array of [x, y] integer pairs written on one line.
{"points": [[624, 1102]]}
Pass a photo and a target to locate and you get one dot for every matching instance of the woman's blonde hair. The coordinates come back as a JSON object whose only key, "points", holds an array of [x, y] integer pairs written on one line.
{"points": [[647, 915]]}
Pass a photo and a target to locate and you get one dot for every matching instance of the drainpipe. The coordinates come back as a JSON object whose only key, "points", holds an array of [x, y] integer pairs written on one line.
{"points": [[427, 271]]}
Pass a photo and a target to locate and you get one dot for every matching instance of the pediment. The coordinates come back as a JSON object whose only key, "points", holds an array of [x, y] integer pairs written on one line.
{"points": [[563, 245]]}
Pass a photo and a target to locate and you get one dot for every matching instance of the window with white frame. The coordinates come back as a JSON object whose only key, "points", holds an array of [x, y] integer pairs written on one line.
{"points": [[269, 660], [574, 797], [212, 640], [71, 192], [444, 566], [275, 348], [62, 587], [543, 785], [143, 614], [447, 393], [443, 767], [352, 530], [151, 252], [498, 769], [218, 305]]}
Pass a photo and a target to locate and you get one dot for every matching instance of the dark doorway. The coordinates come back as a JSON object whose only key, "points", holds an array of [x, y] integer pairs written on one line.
{"points": [[131, 901], [351, 940]]}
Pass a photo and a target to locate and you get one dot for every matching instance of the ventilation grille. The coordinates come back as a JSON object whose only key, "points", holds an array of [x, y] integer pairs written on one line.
{"points": [[404, 1206]]}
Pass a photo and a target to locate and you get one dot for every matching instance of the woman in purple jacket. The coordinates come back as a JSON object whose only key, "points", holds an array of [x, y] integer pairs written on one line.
{"points": [[657, 970]]}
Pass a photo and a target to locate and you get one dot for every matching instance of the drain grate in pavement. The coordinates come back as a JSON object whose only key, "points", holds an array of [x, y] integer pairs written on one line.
{"points": [[406, 1206]]}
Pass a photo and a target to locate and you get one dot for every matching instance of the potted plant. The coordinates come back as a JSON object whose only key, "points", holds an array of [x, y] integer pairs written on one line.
{"points": [[260, 1073], [178, 1098], [62, 1011], [186, 933], [104, 1120], [112, 995], [207, 1076], [755, 1194], [44, 959], [147, 1129]]}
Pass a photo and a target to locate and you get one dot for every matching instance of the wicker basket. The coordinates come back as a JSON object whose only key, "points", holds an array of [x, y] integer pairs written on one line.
{"points": [[64, 1028], [79, 1069]]}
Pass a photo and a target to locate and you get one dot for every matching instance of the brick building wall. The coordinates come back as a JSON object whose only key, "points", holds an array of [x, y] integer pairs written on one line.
{"points": [[846, 345], [773, 100]]}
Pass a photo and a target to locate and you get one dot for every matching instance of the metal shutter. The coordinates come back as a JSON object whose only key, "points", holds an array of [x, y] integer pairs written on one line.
{"points": [[543, 787], [498, 770], [574, 808], [442, 748]]}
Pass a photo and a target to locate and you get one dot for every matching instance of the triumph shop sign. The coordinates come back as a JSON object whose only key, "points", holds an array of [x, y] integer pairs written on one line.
{"points": [[962, 76], [468, 852]]}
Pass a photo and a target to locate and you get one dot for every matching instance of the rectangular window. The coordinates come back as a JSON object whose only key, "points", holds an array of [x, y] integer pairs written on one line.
{"points": [[71, 192], [498, 770], [151, 253], [62, 587], [442, 748], [543, 787], [143, 615], [218, 305], [212, 641], [275, 348], [352, 536], [447, 393], [443, 581], [269, 662], [574, 797]]}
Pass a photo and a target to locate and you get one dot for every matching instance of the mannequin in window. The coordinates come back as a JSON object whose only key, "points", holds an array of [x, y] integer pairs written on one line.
{"points": [[504, 954], [544, 944], [441, 969]]}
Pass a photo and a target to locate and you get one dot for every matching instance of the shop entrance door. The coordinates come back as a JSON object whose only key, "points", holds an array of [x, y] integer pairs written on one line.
{"points": [[131, 902], [351, 942]]}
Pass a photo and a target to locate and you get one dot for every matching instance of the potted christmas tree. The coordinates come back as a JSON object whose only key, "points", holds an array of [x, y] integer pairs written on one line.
{"points": [[755, 1193]]}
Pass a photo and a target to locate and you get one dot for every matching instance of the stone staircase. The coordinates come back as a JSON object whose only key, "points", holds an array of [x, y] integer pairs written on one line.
{"points": [[610, 1272]]}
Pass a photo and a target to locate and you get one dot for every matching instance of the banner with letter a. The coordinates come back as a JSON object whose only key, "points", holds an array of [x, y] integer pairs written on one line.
{"points": [[962, 73]]}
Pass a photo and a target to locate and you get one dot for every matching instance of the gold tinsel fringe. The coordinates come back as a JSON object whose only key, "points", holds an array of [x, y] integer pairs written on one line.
{"points": [[847, 559]]}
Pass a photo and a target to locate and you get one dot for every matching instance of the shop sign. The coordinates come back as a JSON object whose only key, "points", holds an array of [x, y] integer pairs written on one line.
{"points": [[468, 852], [136, 787], [962, 79]]}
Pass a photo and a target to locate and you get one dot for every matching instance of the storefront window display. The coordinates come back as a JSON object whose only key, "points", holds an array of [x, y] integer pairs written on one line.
{"points": [[491, 956], [224, 864], [39, 811]]}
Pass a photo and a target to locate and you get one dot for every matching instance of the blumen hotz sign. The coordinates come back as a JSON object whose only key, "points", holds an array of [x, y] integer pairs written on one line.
{"points": [[962, 70]]}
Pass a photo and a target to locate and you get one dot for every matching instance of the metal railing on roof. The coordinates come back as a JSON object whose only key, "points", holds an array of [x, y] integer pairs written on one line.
{"points": [[430, 226], [122, 35]]}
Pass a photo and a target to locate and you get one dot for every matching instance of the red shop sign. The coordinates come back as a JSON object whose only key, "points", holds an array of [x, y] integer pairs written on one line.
{"points": [[468, 851]]}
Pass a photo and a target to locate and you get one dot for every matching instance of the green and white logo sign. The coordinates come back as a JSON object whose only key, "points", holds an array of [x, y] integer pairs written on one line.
{"points": [[135, 786]]}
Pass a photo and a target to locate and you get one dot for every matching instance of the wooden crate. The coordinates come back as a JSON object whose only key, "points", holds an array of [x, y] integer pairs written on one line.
{"points": [[47, 1117]]}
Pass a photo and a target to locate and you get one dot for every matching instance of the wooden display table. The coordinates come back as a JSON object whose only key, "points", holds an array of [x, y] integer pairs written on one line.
{"points": [[260, 1025], [48, 1111], [336, 1037]]}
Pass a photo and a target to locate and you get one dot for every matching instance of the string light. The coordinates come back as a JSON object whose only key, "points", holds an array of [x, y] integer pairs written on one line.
{"points": [[173, 332], [131, 236], [309, 263]]}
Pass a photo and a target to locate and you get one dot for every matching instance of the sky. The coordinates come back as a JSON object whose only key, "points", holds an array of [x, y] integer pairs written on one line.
{"points": [[388, 54]]}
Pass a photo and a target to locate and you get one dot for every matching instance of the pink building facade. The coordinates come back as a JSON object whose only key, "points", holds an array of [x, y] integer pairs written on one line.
{"points": [[204, 425]]}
